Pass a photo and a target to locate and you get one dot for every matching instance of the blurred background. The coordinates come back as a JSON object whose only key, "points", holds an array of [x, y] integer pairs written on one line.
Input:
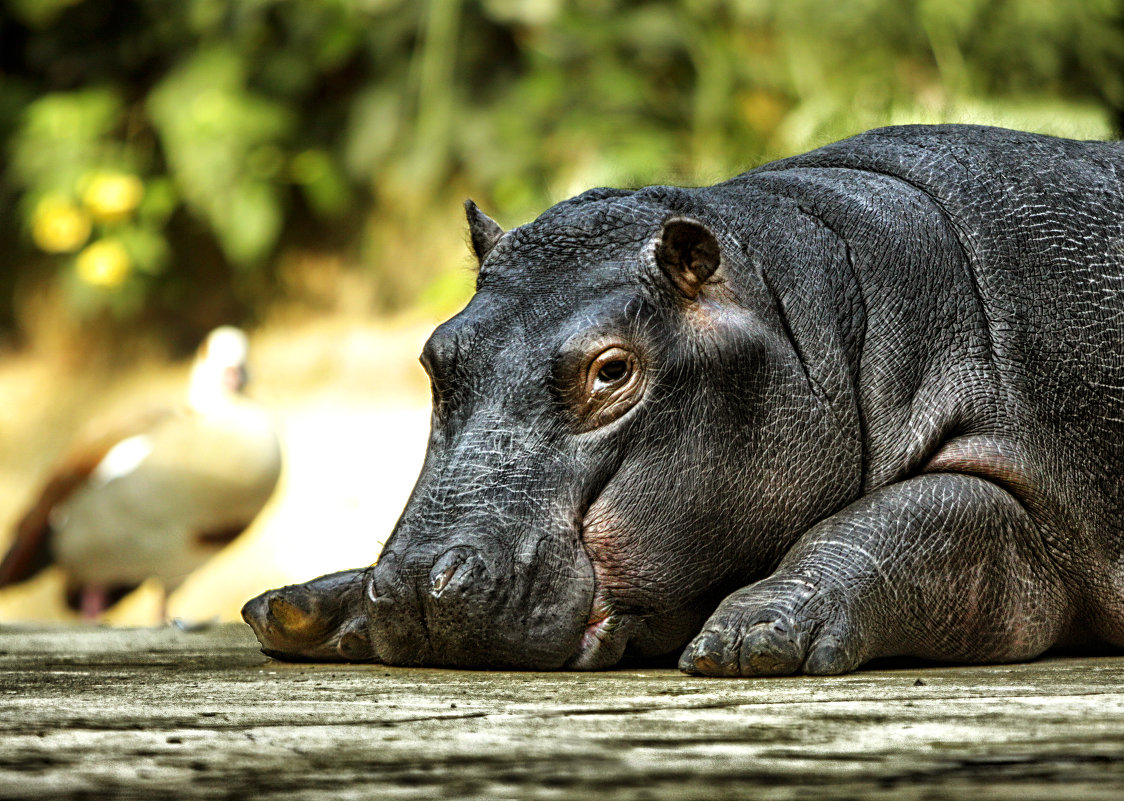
{"points": [[297, 167]]}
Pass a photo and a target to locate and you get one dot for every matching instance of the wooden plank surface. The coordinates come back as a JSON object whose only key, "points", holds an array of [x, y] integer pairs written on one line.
{"points": [[159, 713]]}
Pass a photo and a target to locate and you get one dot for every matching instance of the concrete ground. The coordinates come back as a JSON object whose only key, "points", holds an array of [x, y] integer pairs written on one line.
{"points": [[91, 712]]}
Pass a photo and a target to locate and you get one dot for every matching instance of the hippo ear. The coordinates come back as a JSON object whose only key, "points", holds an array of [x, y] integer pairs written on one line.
{"points": [[482, 230], [688, 252]]}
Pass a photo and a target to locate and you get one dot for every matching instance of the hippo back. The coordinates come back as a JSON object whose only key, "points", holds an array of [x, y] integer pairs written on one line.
{"points": [[1040, 223]]}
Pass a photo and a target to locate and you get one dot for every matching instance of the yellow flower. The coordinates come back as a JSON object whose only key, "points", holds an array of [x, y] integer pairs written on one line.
{"points": [[104, 264], [58, 225], [112, 196]]}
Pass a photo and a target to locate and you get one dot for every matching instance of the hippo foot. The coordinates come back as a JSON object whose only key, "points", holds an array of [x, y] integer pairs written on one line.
{"points": [[768, 629]]}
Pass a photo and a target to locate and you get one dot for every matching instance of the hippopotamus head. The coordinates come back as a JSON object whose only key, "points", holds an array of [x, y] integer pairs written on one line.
{"points": [[622, 434]]}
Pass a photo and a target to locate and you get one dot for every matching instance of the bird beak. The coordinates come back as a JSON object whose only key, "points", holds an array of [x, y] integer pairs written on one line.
{"points": [[235, 378]]}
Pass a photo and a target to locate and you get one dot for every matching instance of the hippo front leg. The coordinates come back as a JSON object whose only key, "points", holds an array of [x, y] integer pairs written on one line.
{"points": [[322, 620], [942, 566]]}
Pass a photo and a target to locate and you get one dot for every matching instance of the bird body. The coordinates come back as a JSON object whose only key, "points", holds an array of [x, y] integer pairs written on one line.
{"points": [[158, 496]]}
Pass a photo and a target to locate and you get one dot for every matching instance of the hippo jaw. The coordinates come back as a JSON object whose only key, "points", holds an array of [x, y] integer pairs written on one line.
{"points": [[547, 614], [439, 603]]}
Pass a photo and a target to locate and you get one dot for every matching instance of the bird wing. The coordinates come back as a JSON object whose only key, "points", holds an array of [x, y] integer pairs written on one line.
{"points": [[30, 551]]}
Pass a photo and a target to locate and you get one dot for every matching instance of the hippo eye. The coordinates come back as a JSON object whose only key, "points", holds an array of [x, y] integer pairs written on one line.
{"points": [[611, 370], [601, 386]]}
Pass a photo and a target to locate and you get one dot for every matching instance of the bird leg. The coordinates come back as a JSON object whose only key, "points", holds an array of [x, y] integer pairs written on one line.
{"points": [[95, 600]]}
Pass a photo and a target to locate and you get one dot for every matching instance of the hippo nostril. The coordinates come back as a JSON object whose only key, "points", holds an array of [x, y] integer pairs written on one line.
{"points": [[454, 564], [443, 579]]}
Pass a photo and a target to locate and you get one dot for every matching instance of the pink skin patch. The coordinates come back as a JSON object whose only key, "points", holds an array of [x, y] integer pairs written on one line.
{"points": [[990, 457], [602, 643], [592, 638], [95, 599], [600, 623], [606, 633]]}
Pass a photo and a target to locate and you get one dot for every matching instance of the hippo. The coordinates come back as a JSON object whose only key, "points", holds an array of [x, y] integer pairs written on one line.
{"points": [[858, 403]]}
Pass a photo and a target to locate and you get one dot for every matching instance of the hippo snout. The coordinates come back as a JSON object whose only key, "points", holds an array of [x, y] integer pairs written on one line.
{"points": [[432, 605], [468, 607], [433, 585], [460, 573]]}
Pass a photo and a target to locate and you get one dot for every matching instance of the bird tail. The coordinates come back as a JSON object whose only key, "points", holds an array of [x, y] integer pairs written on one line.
{"points": [[28, 555]]}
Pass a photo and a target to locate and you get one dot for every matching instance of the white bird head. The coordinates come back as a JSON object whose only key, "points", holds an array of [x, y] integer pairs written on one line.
{"points": [[219, 372]]}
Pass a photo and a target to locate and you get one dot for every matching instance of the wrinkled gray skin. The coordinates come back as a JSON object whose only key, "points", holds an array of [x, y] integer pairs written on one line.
{"points": [[864, 402]]}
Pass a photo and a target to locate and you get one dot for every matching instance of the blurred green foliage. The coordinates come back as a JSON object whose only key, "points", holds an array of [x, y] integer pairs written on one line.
{"points": [[164, 160]]}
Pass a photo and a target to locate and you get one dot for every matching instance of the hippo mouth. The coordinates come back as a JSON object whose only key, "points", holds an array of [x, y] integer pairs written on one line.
{"points": [[602, 643], [606, 633]]}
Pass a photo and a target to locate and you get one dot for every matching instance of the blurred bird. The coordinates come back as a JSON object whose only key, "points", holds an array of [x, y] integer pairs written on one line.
{"points": [[158, 496]]}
